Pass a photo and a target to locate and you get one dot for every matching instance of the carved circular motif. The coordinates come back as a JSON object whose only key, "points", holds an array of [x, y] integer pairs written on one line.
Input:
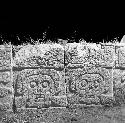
{"points": [[38, 81], [89, 83]]}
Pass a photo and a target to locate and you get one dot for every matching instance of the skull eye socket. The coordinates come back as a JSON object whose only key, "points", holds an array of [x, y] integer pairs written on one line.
{"points": [[82, 84], [45, 84], [33, 84]]}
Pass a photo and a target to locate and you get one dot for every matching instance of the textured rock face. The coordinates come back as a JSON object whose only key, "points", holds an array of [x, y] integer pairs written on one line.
{"points": [[70, 83]]}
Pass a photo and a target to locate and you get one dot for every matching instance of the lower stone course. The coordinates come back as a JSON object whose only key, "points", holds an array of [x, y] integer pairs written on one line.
{"points": [[76, 114]]}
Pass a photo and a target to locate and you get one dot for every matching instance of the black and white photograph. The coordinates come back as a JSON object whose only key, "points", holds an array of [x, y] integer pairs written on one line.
{"points": [[57, 71]]}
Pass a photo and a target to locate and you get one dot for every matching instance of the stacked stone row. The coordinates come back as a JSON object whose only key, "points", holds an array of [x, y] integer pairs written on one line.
{"points": [[46, 76]]}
